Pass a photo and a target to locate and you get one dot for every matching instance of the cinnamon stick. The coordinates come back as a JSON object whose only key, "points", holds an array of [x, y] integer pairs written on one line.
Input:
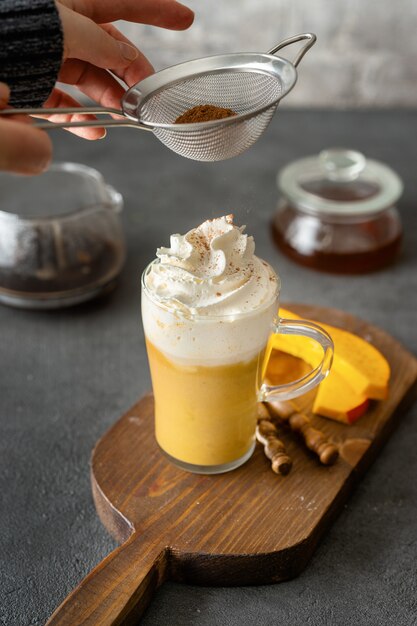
{"points": [[300, 423], [274, 448]]}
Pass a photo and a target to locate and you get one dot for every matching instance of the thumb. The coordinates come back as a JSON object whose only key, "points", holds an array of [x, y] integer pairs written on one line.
{"points": [[87, 41], [23, 149]]}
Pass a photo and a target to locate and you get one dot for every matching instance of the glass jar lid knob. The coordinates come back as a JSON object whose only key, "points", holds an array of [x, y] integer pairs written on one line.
{"points": [[341, 165]]}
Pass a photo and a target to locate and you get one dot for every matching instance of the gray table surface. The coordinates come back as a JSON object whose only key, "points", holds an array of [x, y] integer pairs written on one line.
{"points": [[66, 376]]}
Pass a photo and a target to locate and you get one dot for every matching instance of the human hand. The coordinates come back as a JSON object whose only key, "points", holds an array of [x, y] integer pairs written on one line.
{"points": [[23, 148], [93, 46]]}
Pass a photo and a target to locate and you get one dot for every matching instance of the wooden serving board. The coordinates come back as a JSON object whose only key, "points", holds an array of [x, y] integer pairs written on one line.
{"points": [[245, 527]]}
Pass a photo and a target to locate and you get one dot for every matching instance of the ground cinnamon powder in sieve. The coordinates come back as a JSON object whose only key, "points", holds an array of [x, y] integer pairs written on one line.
{"points": [[204, 113]]}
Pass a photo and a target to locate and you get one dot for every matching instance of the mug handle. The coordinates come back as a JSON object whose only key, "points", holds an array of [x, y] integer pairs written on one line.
{"points": [[313, 378]]}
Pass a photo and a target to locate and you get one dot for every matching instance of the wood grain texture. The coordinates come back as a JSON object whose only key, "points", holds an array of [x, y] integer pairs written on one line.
{"points": [[249, 526]]}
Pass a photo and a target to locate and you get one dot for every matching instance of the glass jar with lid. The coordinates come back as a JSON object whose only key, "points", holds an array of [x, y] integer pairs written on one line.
{"points": [[338, 212]]}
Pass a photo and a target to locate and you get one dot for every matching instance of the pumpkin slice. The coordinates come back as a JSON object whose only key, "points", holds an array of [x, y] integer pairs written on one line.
{"points": [[338, 400], [362, 366], [335, 398]]}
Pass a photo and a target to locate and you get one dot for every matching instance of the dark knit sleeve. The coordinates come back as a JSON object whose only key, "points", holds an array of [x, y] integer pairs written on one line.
{"points": [[31, 49]]}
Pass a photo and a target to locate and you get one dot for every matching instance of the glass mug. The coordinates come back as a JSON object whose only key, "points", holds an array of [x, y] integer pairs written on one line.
{"points": [[206, 376]]}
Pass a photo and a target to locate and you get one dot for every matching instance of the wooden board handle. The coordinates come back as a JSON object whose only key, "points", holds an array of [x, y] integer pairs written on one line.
{"points": [[119, 589]]}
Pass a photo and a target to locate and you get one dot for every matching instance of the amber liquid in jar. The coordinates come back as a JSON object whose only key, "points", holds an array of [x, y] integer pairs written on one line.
{"points": [[338, 244]]}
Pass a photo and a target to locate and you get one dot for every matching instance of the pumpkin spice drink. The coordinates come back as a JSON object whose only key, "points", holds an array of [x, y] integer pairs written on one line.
{"points": [[208, 310]]}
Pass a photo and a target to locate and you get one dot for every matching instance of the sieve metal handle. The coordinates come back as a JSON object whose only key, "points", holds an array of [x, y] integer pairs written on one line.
{"points": [[83, 110], [310, 38]]}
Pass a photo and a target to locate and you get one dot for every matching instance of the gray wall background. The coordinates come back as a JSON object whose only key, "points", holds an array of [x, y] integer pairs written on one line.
{"points": [[366, 53]]}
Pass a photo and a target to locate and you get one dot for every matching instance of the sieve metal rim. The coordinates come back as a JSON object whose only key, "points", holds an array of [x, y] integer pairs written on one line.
{"points": [[248, 62], [202, 131]]}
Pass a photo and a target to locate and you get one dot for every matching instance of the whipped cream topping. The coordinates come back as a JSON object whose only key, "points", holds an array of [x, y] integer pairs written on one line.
{"points": [[212, 270]]}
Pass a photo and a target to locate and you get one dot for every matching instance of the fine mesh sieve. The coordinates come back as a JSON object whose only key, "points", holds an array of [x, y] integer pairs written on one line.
{"points": [[251, 84]]}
